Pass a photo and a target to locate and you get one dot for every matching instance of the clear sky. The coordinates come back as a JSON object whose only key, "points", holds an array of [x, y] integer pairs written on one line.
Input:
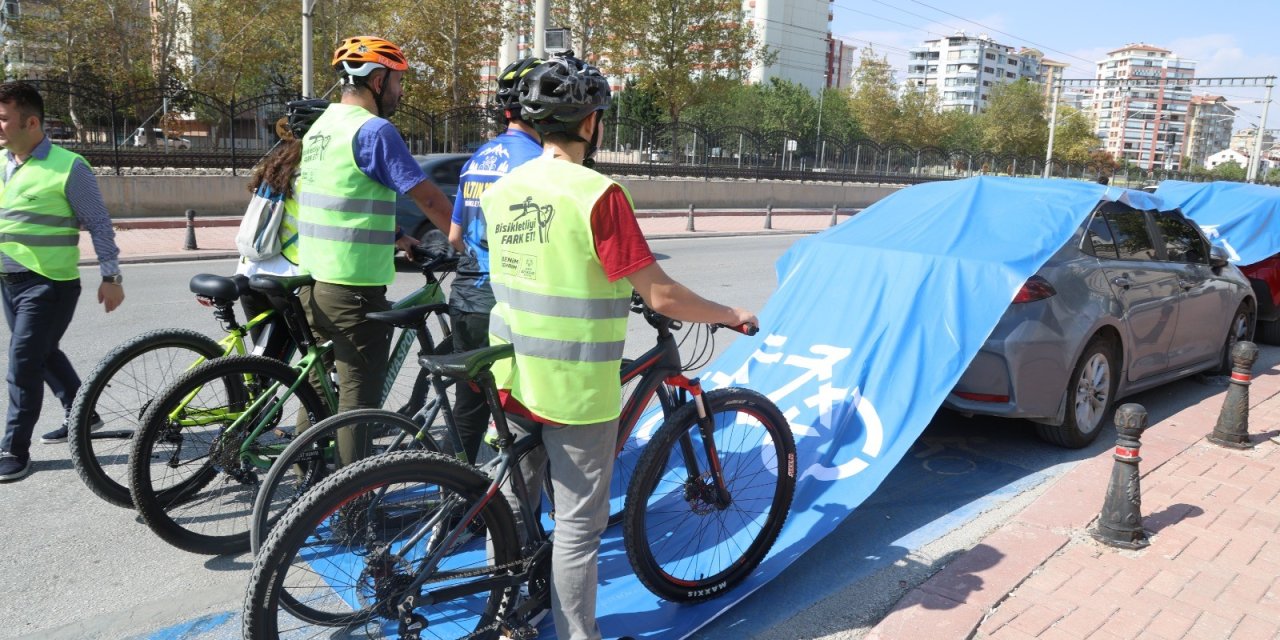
{"points": [[1224, 38]]}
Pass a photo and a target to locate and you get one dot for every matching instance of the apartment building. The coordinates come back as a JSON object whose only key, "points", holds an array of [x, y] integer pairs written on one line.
{"points": [[799, 32], [840, 64], [1143, 123], [1209, 123], [1051, 71], [964, 68]]}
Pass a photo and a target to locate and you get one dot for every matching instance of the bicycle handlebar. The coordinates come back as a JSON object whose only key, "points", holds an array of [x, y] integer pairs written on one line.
{"points": [[658, 321]]}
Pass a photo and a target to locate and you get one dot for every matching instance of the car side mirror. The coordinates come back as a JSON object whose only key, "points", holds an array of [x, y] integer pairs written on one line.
{"points": [[1218, 257]]}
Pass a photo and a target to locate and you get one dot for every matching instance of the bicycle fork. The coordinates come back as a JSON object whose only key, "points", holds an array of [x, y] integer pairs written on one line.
{"points": [[716, 492]]}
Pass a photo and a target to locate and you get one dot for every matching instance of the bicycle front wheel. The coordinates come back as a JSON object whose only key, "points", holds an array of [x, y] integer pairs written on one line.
{"points": [[348, 552], [310, 458], [117, 392], [193, 477], [686, 540]]}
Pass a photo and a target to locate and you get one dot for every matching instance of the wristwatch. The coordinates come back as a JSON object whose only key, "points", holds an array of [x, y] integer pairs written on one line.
{"points": [[114, 278]]}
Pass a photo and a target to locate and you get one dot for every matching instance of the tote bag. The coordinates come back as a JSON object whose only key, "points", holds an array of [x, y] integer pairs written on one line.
{"points": [[259, 234]]}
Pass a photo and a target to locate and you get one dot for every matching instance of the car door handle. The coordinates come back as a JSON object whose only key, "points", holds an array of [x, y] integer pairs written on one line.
{"points": [[1122, 282], [1186, 284]]}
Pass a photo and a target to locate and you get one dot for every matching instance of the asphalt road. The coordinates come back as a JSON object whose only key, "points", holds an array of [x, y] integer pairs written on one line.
{"points": [[79, 568]]}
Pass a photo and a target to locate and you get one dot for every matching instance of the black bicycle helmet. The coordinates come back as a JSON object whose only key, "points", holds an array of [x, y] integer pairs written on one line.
{"points": [[303, 113], [561, 92], [508, 95]]}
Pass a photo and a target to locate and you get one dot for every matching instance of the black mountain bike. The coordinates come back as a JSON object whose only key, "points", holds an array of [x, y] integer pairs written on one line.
{"points": [[419, 544]]}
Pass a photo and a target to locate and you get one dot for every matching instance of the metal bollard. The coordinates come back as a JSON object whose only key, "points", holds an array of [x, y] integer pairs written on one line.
{"points": [[1232, 429], [1120, 524], [190, 244], [768, 216], [834, 209], [688, 226]]}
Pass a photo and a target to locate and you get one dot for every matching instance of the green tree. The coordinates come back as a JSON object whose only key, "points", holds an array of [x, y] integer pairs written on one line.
{"points": [[1014, 121], [1272, 176], [920, 120], [446, 41], [1074, 140], [684, 51], [963, 130], [874, 99], [229, 56], [1229, 170]]}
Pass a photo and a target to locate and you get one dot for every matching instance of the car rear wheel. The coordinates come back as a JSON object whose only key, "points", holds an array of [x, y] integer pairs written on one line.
{"points": [[1241, 328], [1091, 391]]}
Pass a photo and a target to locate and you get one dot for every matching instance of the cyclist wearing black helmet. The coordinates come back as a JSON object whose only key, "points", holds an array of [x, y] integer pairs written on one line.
{"points": [[472, 297], [273, 179], [565, 253]]}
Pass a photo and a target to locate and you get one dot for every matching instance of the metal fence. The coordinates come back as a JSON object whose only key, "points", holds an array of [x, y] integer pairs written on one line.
{"points": [[156, 129]]}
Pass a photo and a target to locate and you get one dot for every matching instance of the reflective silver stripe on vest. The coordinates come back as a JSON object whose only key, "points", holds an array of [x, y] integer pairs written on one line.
{"points": [[346, 234], [561, 306], [556, 349], [41, 241], [42, 219], [346, 205]]}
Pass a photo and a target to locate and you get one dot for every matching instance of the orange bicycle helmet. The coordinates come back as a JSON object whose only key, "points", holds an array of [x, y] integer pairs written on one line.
{"points": [[360, 55]]}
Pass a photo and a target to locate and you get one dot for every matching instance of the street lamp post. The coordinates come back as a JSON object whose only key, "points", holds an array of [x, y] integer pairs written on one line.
{"points": [[307, 6], [822, 92]]}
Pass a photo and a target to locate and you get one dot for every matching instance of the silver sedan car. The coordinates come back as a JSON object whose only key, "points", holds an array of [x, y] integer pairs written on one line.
{"points": [[1135, 299]]}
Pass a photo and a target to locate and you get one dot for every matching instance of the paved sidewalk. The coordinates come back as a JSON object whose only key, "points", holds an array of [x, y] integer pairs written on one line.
{"points": [[163, 239], [1211, 570]]}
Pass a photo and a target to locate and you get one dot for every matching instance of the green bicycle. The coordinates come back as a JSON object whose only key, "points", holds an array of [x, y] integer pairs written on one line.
{"points": [[194, 467], [108, 409]]}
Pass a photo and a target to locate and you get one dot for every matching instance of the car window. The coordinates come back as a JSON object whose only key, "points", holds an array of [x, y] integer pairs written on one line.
{"points": [[448, 172], [1182, 242], [1129, 230], [1100, 240]]}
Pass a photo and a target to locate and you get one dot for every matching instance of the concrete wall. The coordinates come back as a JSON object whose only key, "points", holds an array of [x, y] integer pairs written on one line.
{"points": [[170, 196]]}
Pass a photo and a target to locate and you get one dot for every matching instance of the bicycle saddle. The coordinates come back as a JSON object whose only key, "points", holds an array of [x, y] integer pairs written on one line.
{"points": [[468, 364], [279, 285], [220, 288], [408, 317]]}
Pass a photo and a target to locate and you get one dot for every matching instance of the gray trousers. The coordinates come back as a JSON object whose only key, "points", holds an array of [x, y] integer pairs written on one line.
{"points": [[581, 465]]}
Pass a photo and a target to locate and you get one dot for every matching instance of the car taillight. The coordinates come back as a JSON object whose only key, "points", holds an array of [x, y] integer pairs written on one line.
{"points": [[1036, 288]]}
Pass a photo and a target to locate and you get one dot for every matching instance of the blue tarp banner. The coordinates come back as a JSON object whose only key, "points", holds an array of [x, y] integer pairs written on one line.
{"points": [[1242, 218], [873, 323]]}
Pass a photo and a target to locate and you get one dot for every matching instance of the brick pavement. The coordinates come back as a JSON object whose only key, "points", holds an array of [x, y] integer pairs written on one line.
{"points": [[162, 239], [1211, 570]]}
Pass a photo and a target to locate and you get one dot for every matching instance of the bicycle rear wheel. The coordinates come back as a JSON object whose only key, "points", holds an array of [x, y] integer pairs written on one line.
{"points": [[190, 482], [310, 458], [346, 553], [118, 391], [684, 542]]}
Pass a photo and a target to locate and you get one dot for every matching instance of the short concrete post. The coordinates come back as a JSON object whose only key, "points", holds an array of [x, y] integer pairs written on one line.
{"points": [[1232, 429], [768, 216], [190, 244], [834, 210], [688, 225], [1120, 524]]}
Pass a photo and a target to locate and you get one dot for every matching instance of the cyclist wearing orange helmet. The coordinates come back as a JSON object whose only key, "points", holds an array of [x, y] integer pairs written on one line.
{"points": [[354, 163]]}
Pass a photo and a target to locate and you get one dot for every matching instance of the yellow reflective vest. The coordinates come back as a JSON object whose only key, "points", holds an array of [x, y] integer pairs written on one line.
{"points": [[554, 303], [38, 229], [346, 220]]}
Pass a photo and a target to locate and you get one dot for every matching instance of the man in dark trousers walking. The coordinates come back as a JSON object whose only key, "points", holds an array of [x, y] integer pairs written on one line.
{"points": [[48, 194]]}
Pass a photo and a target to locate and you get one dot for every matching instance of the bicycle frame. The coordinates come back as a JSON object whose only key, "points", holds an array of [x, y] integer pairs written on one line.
{"points": [[311, 362]]}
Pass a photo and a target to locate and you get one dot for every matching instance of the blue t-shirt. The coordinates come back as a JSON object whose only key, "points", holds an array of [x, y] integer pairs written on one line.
{"points": [[382, 155], [471, 289]]}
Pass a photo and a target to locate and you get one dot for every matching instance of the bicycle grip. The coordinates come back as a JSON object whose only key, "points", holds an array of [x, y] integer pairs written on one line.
{"points": [[746, 328]]}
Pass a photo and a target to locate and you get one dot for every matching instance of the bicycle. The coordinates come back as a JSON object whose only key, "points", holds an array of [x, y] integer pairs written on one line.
{"points": [[122, 385], [227, 419], [416, 542], [310, 455]]}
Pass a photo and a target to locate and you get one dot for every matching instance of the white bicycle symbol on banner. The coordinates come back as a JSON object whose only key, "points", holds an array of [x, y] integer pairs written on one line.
{"points": [[827, 401]]}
